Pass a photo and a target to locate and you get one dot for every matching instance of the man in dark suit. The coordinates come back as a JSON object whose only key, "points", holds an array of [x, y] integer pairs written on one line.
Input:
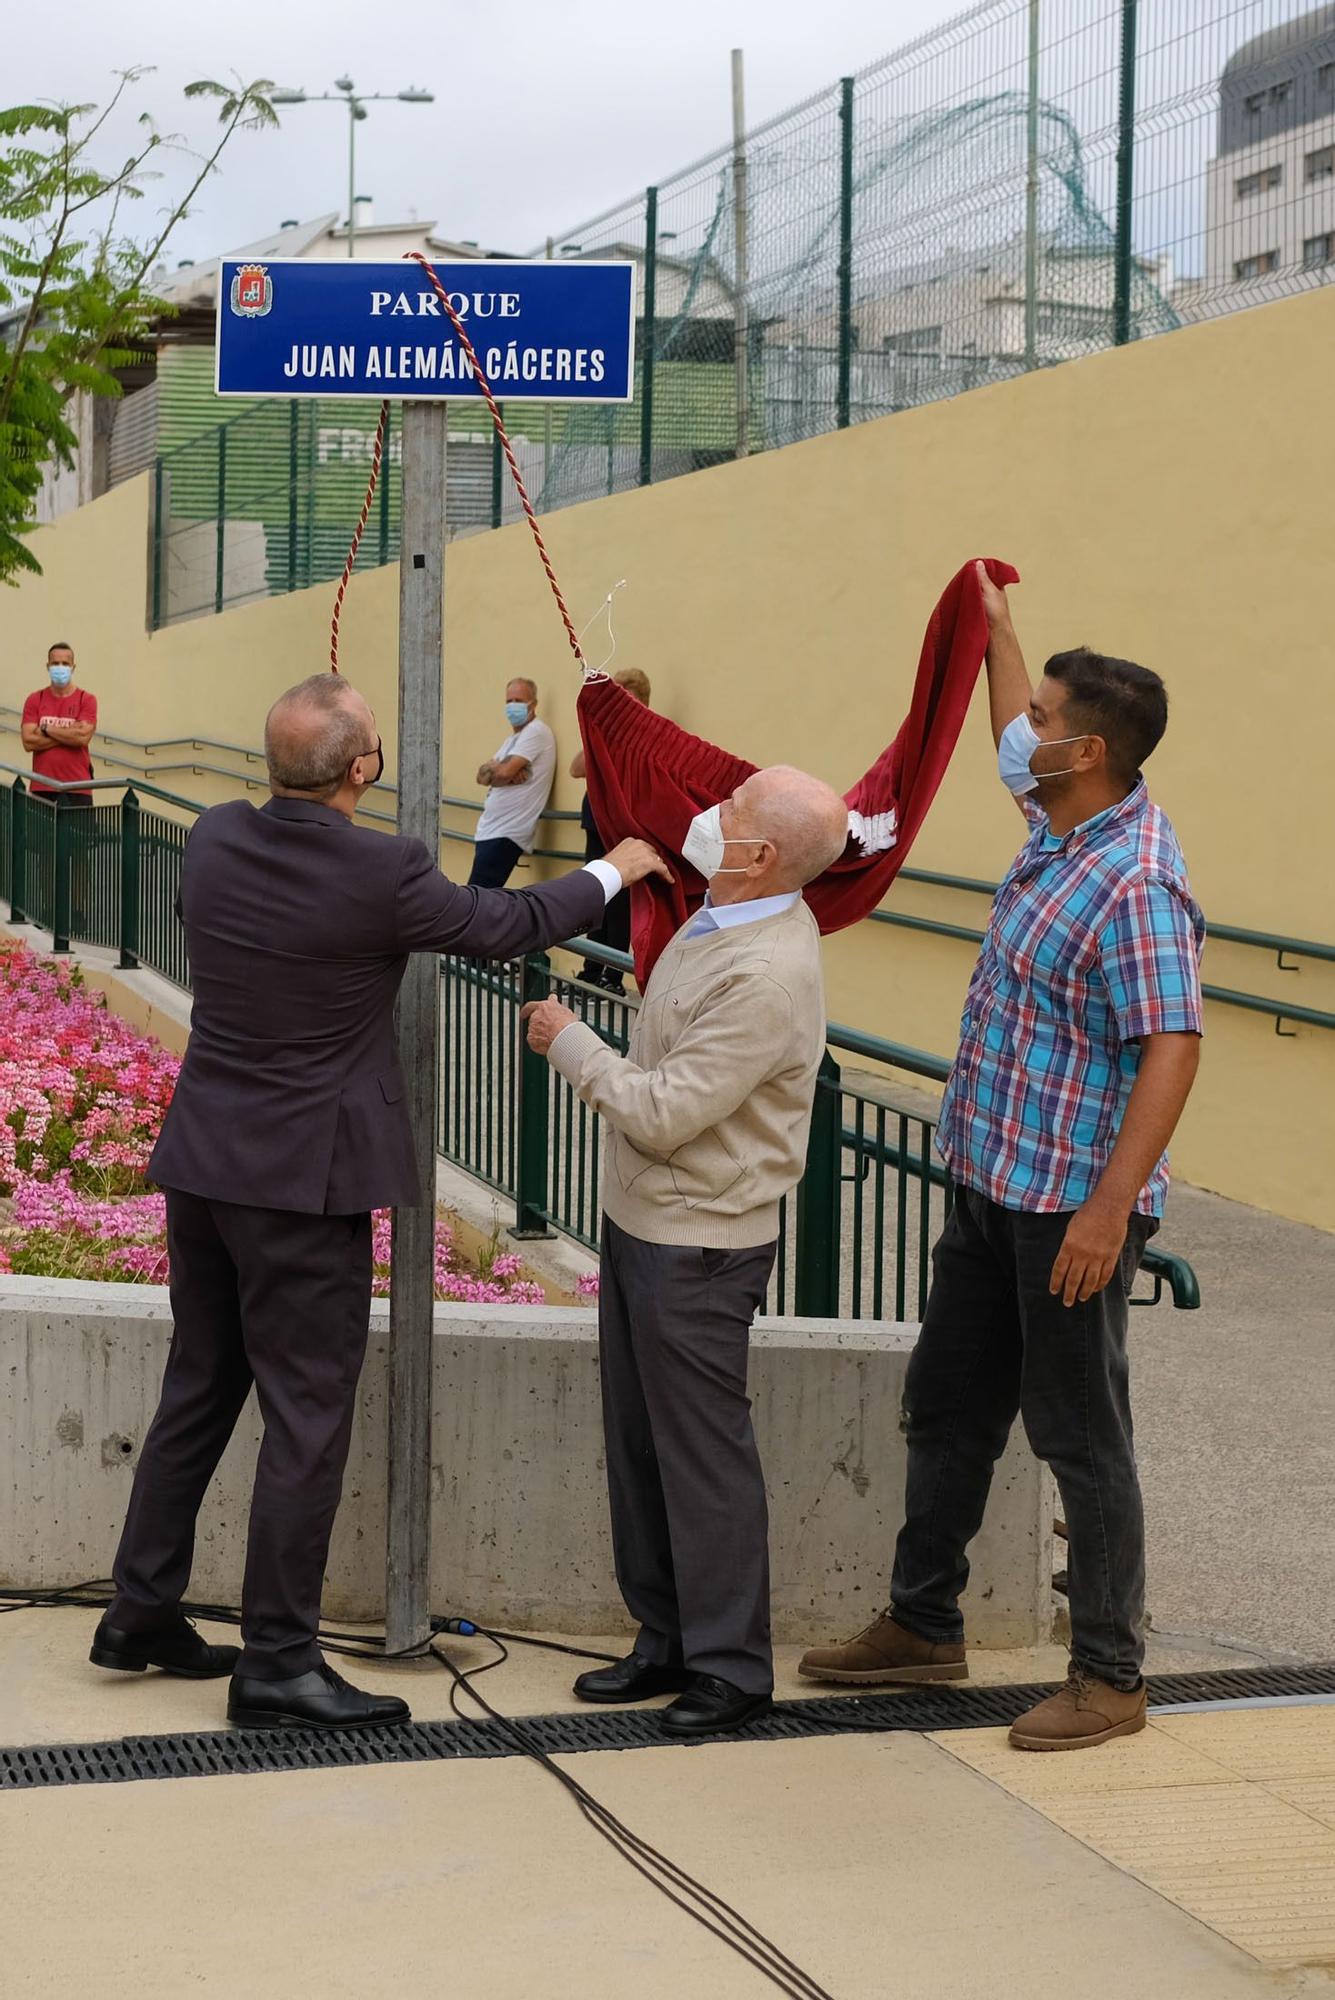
{"points": [[288, 1127]]}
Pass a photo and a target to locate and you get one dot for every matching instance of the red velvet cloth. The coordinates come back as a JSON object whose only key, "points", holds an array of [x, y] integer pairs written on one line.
{"points": [[647, 777]]}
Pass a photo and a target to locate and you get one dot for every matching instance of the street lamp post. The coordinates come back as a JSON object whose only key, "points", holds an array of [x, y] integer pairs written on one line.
{"points": [[346, 92]]}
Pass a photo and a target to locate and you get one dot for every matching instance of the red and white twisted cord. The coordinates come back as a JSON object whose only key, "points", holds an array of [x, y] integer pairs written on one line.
{"points": [[498, 421], [376, 453]]}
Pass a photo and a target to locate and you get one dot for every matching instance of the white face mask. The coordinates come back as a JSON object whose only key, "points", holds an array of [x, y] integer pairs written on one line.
{"points": [[1015, 751], [705, 845]]}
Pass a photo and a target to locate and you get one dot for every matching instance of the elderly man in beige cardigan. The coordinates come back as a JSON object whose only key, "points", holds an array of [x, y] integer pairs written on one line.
{"points": [[707, 1120]]}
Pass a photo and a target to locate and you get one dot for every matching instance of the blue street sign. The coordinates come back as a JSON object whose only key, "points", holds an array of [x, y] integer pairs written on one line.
{"points": [[544, 332]]}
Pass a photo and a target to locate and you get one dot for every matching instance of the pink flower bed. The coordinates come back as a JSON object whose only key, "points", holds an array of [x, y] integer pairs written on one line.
{"points": [[82, 1098]]}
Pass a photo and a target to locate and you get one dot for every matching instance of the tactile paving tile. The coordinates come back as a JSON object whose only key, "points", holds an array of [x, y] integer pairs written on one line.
{"points": [[1267, 1746], [1131, 1763], [1314, 1796], [1251, 1866], [1208, 1811]]}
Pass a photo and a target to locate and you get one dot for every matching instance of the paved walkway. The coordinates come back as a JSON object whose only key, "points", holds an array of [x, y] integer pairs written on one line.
{"points": [[1235, 1415], [1196, 1862]]}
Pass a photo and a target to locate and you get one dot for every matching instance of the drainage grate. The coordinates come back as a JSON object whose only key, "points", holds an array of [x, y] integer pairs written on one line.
{"points": [[231, 1753]]}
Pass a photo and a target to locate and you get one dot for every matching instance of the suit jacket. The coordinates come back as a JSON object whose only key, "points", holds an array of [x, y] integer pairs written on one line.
{"points": [[298, 924]]}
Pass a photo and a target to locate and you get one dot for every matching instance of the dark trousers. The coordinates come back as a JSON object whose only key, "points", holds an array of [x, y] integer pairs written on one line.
{"points": [[614, 930], [281, 1300], [493, 863], [690, 1522], [995, 1342]]}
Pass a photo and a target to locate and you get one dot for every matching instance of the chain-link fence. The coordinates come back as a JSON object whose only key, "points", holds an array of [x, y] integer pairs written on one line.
{"points": [[1034, 181]]}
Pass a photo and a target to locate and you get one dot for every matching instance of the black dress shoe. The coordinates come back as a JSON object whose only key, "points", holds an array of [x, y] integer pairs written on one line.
{"points": [[710, 1705], [320, 1699], [176, 1648], [631, 1679]]}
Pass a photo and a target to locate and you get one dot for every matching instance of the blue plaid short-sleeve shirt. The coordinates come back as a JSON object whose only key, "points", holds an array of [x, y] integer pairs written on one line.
{"points": [[1094, 940]]}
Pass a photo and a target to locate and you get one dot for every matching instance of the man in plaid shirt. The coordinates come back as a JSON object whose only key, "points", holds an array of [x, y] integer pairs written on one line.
{"points": [[1079, 1046]]}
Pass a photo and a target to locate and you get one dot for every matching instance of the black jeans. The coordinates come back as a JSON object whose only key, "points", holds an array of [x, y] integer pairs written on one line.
{"points": [[995, 1342], [493, 863]]}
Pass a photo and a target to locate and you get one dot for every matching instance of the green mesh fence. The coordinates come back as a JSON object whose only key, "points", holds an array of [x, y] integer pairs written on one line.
{"points": [[1033, 182], [267, 503]]}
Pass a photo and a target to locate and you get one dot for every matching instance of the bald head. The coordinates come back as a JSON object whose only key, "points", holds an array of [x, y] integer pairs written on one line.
{"points": [[805, 821], [313, 735]]}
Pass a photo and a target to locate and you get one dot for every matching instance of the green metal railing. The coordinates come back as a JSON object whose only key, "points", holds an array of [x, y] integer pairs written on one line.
{"points": [[855, 1238], [1283, 947], [105, 874], [147, 763]]}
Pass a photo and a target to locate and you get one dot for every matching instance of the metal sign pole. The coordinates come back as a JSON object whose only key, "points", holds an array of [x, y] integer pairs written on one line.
{"points": [[546, 332], [412, 1297]]}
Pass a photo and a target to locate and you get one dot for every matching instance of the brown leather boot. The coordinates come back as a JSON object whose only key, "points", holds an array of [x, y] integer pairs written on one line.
{"points": [[886, 1654], [1084, 1712]]}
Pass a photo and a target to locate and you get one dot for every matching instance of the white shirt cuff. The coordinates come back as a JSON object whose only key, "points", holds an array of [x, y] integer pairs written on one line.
{"points": [[569, 1024], [609, 876]]}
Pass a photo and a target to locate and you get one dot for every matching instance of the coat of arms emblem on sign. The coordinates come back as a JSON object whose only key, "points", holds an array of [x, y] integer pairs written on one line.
{"points": [[252, 291]]}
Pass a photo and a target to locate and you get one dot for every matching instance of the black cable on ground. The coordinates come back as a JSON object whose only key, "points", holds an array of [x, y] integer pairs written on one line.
{"points": [[697, 1901], [97, 1595], [547, 1645], [703, 1904]]}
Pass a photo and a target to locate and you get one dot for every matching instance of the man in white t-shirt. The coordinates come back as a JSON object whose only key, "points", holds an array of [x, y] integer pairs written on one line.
{"points": [[519, 783]]}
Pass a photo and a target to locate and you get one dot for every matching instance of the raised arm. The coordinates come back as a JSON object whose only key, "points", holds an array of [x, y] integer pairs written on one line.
{"points": [[1008, 689]]}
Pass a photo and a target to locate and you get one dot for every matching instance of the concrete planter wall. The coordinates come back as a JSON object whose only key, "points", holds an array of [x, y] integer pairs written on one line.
{"points": [[520, 1524]]}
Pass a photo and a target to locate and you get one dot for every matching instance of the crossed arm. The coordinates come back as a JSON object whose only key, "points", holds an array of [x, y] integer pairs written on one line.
{"points": [[509, 771], [57, 729]]}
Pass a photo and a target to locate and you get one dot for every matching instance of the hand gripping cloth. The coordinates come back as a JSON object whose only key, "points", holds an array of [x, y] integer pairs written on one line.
{"points": [[649, 778]]}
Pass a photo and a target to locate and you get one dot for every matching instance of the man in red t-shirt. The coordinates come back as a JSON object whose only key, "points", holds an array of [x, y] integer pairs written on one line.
{"points": [[58, 725]]}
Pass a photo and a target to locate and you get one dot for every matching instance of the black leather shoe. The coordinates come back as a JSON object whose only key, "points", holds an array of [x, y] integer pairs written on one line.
{"points": [[710, 1705], [631, 1679], [177, 1648], [320, 1699]]}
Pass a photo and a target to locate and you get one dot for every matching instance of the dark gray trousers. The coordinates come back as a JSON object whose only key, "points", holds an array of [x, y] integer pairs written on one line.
{"points": [[283, 1301], [690, 1523]]}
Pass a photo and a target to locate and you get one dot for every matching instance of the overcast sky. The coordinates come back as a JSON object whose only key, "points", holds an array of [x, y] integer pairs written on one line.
{"points": [[546, 112]]}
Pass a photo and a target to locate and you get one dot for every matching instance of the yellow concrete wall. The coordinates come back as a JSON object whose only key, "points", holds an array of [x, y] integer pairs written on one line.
{"points": [[1171, 502]]}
